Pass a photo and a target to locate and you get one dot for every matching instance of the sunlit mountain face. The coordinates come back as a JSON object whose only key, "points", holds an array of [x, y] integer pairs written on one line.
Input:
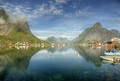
{"points": [[65, 18]]}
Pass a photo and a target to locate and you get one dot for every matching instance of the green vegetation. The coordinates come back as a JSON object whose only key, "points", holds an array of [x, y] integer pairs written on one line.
{"points": [[19, 36], [11, 33], [15, 37], [19, 57], [3, 14]]}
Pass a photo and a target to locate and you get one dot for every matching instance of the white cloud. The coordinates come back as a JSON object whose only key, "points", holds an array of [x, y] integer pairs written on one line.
{"points": [[45, 34], [55, 11], [56, 32], [16, 18], [16, 9], [84, 12], [61, 1], [2, 21], [41, 10], [81, 12]]}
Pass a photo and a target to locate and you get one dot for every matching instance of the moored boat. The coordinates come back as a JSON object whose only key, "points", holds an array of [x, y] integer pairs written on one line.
{"points": [[107, 58], [112, 54], [111, 58]]}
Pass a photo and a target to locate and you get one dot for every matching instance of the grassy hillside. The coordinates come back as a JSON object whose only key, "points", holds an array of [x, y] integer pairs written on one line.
{"points": [[19, 36], [15, 32]]}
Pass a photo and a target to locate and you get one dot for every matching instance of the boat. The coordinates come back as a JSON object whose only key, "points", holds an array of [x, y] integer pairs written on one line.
{"points": [[111, 58], [110, 62], [112, 54]]}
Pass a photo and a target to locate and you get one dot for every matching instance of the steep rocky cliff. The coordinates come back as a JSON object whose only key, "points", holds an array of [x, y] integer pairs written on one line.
{"points": [[97, 33], [14, 31]]}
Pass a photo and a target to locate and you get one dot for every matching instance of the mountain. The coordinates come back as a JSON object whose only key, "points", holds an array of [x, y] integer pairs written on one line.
{"points": [[14, 28], [58, 40], [97, 33]]}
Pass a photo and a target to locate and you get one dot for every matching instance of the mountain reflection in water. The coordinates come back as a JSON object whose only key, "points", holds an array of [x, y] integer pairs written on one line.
{"points": [[56, 64]]}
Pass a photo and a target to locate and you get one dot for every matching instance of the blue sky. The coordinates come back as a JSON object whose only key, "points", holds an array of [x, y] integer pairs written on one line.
{"points": [[65, 18]]}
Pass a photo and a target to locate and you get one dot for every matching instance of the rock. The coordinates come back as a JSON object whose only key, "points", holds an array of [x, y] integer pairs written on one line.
{"points": [[15, 31], [97, 33]]}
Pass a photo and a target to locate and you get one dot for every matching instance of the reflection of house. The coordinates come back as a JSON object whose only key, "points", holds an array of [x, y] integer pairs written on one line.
{"points": [[96, 44], [22, 44]]}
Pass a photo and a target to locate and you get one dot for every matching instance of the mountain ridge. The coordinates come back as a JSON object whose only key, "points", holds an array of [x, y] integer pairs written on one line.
{"points": [[59, 40], [15, 29], [97, 33]]}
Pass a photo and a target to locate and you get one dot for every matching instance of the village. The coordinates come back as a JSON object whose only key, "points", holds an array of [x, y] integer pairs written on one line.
{"points": [[26, 45], [113, 43]]}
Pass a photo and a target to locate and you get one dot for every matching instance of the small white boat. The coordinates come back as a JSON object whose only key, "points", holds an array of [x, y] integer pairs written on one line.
{"points": [[112, 54], [111, 58]]}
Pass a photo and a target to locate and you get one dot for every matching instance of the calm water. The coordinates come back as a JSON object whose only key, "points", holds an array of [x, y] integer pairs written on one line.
{"points": [[56, 64]]}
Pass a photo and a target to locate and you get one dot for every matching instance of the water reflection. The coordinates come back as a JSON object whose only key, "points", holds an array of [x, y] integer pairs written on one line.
{"points": [[90, 54], [56, 64], [57, 49], [13, 63], [111, 55]]}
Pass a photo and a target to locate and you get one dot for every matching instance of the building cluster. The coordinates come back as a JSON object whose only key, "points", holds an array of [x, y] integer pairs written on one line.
{"points": [[26, 45], [115, 42]]}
